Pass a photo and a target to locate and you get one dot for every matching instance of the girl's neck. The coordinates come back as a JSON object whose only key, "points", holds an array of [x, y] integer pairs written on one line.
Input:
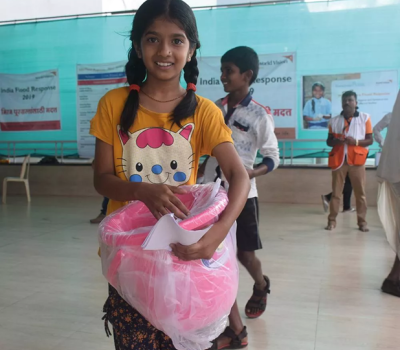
{"points": [[164, 90], [236, 97]]}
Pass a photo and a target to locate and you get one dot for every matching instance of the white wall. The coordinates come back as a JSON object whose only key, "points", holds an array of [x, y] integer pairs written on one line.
{"points": [[29, 9]]}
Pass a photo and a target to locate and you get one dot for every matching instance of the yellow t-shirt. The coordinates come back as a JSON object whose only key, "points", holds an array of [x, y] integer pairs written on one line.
{"points": [[155, 151]]}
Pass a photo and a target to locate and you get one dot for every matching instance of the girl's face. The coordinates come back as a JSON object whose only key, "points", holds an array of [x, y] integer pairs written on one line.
{"points": [[165, 50], [318, 92]]}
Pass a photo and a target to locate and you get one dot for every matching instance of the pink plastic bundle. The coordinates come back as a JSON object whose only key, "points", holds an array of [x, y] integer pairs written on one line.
{"points": [[189, 301]]}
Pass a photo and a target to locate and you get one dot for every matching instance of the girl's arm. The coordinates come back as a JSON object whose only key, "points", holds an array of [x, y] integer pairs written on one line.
{"points": [[160, 199], [239, 187]]}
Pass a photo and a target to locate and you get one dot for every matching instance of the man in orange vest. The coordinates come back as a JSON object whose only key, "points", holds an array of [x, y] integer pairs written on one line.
{"points": [[350, 134]]}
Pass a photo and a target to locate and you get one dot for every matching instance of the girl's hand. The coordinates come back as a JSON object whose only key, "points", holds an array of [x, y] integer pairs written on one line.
{"points": [[205, 247], [161, 199]]}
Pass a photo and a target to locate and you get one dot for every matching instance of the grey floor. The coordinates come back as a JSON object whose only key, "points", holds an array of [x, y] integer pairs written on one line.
{"points": [[325, 286]]}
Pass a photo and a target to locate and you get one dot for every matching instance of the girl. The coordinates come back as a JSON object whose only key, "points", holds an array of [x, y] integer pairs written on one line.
{"points": [[149, 139], [317, 110]]}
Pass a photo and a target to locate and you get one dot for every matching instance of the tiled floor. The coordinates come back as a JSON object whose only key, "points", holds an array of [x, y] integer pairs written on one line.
{"points": [[325, 286]]}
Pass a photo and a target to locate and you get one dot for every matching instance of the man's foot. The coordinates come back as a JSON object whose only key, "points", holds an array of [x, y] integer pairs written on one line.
{"points": [[98, 219], [325, 203], [391, 287], [363, 228], [331, 226], [231, 339], [257, 304], [350, 210]]}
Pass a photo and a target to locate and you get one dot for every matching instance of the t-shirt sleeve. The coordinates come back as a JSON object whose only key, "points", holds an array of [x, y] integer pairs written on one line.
{"points": [[101, 124], [368, 126], [267, 141], [214, 129]]}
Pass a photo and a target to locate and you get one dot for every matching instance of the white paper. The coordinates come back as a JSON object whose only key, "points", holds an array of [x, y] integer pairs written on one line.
{"points": [[168, 231]]}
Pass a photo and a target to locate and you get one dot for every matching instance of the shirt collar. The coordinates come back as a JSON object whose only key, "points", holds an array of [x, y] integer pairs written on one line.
{"points": [[245, 102], [356, 114]]}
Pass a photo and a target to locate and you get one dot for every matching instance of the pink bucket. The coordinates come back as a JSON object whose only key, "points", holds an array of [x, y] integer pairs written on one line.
{"points": [[189, 301]]}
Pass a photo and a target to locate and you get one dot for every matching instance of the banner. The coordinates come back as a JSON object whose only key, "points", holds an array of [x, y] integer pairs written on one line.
{"points": [[275, 87], [322, 96], [30, 102], [94, 80]]}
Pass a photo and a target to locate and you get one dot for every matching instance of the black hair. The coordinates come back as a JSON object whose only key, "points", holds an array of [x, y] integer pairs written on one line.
{"points": [[349, 94], [320, 85], [181, 13], [245, 58]]}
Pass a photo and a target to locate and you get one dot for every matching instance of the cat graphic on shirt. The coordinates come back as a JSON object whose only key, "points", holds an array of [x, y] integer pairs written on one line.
{"points": [[157, 155]]}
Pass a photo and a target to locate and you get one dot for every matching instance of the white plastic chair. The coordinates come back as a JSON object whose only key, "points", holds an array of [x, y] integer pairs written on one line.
{"points": [[23, 177]]}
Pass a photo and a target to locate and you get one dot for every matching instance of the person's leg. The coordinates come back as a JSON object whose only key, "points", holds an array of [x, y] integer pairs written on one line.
{"points": [[391, 285], [103, 212], [131, 330], [236, 324], [394, 275], [347, 191], [338, 179], [253, 266], [104, 206], [358, 179], [257, 304], [325, 201], [247, 239]]}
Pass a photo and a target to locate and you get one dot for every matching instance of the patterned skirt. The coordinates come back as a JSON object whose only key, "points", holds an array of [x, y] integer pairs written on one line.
{"points": [[131, 330]]}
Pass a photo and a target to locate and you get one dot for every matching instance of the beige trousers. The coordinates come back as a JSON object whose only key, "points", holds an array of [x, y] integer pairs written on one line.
{"points": [[358, 180]]}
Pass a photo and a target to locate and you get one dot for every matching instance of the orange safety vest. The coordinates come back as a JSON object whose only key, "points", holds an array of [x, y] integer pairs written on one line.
{"points": [[357, 128]]}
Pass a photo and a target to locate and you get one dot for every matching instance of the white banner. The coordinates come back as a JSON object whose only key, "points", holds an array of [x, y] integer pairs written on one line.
{"points": [[94, 80], [30, 102], [275, 88], [376, 93]]}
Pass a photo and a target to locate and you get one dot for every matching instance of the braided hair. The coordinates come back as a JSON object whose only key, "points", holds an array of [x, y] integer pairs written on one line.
{"points": [[176, 10]]}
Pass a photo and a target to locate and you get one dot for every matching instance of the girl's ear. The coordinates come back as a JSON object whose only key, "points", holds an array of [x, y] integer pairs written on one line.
{"points": [[190, 54], [138, 50]]}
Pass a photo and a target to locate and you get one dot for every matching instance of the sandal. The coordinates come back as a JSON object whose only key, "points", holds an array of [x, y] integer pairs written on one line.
{"points": [[363, 228], [331, 226], [259, 304], [236, 342]]}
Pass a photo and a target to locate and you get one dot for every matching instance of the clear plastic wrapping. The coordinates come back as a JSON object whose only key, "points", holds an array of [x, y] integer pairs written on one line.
{"points": [[189, 301]]}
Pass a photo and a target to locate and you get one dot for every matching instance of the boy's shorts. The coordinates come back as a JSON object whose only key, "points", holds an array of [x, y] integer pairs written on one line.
{"points": [[247, 235]]}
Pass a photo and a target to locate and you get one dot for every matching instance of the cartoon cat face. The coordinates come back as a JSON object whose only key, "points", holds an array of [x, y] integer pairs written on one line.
{"points": [[157, 155]]}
